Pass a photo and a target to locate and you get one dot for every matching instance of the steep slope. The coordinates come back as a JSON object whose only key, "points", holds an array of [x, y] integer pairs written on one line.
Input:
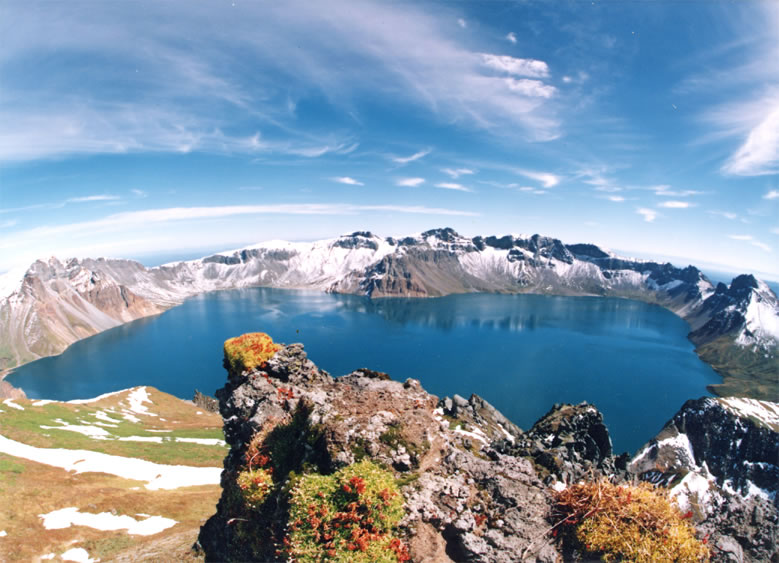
{"points": [[736, 327], [721, 458], [57, 304], [474, 487]]}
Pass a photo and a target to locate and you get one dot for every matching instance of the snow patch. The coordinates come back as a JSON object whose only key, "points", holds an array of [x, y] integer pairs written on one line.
{"points": [[78, 554], [204, 441], [42, 402], [91, 431], [156, 475], [764, 411], [11, 281], [137, 397], [10, 403], [155, 439], [105, 521]]}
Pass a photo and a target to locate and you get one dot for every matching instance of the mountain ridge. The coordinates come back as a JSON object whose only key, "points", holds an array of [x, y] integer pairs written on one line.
{"points": [[735, 328]]}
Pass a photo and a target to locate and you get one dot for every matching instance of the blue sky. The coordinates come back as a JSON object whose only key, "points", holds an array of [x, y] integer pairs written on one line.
{"points": [[141, 129]]}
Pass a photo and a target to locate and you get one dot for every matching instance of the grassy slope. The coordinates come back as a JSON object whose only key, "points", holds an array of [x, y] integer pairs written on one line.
{"points": [[29, 488], [745, 373]]}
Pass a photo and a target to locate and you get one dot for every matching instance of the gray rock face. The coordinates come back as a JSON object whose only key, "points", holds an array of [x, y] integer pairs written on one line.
{"points": [[721, 459], [464, 500], [476, 487], [569, 443]]}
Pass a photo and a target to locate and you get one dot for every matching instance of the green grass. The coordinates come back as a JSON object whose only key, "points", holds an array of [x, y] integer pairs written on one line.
{"points": [[25, 426], [744, 372]]}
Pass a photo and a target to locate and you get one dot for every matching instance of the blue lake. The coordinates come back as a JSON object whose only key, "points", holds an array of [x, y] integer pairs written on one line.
{"points": [[522, 353]]}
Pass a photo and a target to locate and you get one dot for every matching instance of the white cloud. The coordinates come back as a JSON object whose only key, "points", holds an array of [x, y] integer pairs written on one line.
{"points": [[675, 204], [649, 215], [616, 198], [462, 23], [410, 182], [8, 223], [726, 214], [531, 88], [457, 172], [751, 240], [452, 186], [547, 179], [761, 245], [511, 37], [163, 77], [567, 79], [759, 153], [416, 156], [773, 194], [666, 191], [139, 193], [91, 198], [347, 180], [517, 67], [775, 230]]}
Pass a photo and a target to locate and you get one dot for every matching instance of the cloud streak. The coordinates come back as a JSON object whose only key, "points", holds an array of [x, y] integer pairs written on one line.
{"points": [[414, 157], [347, 180], [452, 186], [410, 182]]}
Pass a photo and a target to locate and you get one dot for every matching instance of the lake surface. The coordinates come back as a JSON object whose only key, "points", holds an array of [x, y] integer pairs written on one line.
{"points": [[522, 353]]}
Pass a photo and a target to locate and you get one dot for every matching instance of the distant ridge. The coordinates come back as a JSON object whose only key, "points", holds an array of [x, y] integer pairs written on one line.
{"points": [[735, 328]]}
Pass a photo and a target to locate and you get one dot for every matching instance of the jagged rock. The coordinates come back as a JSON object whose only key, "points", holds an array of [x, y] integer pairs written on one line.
{"points": [[205, 402], [567, 444], [721, 458], [464, 500]]}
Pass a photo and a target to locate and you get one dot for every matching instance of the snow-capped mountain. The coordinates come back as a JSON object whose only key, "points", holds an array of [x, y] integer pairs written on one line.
{"points": [[56, 303]]}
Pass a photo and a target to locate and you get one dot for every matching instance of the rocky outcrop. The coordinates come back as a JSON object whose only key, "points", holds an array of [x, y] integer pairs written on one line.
{"points": [[721, 459], [569, 443], [464, 499], [475, 486]]}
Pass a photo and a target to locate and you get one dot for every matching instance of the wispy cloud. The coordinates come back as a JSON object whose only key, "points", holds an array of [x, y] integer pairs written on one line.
{"points": [[615, 198], [531, 88], [410, 182], [162, 78], [547, 179], [649, 215], [666, 191], [517, 67], [675, 204], [758, 155], [139, 193], [751, 240], [729, 215], [347, 180], [511, 37], [457, 172], [452, 186], [133, 219], [416, 156], [773, 194], [462, 23], [91, 198]]}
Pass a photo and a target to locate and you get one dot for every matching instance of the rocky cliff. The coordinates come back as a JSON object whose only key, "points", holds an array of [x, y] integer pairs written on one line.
{"points": [[736, 328], [473, 486]]}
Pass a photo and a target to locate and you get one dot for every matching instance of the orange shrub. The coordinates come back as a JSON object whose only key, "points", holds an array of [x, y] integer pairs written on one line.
{"points": [[249, 351]]}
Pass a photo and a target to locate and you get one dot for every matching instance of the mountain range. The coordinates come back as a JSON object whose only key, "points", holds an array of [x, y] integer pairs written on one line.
{"points": [[735, 328]]}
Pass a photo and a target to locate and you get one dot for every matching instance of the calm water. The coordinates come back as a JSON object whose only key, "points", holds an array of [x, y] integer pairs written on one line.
{"points": [[520, 352]]}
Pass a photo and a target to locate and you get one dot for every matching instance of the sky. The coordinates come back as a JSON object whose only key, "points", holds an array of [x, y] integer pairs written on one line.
{"points": [[142, 129]]}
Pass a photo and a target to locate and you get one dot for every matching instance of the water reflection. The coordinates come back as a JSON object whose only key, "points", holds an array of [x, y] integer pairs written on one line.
{"points": [[520, 352]]}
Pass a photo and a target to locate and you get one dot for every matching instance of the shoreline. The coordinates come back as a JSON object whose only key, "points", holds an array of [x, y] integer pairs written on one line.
{"points": [[710, 388]]}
